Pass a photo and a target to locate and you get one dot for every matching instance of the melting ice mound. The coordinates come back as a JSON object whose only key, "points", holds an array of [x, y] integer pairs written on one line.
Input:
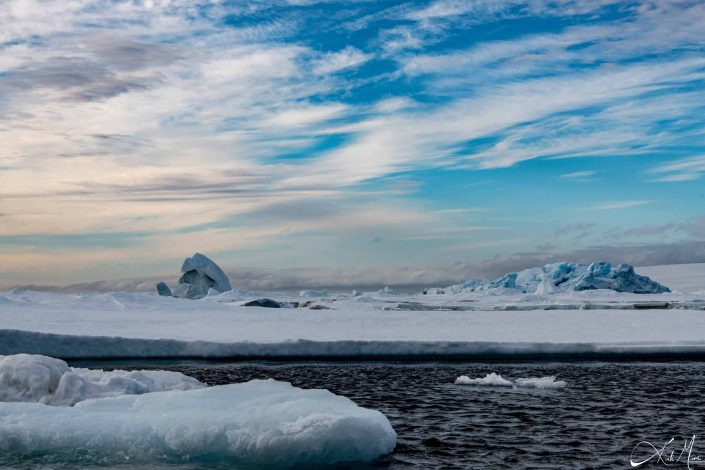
{"points": [[262, 422], [565, 277], [42, 379]]}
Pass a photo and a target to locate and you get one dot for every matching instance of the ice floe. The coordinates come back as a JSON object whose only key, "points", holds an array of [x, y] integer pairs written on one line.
{"points": [[258, 422]]}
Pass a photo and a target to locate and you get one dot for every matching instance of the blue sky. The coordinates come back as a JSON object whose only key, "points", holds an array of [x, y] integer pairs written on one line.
{"points": [[362, 141]]}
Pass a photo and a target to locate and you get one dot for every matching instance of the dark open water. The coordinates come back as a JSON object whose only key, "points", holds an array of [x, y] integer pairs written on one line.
{"points": [[595, 422]]}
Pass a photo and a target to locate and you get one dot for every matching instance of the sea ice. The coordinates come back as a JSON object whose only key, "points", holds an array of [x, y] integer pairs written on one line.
{"points": [[42, 379], [497, 380], [540, 382], [492, 379], [578, 324], [262, 422]]}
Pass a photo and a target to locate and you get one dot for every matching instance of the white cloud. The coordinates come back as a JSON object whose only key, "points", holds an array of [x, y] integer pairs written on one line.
{"points": [[333, 62], [686, 169], [391, 105], [678, 177], [578, 174], [620, 205], [306, 115]]}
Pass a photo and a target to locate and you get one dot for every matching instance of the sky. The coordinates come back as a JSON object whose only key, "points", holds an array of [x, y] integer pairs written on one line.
{"points": [[348, 143]]}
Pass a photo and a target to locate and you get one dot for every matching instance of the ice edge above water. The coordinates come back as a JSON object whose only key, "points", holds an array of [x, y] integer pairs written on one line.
{"points": [[96, 347]]}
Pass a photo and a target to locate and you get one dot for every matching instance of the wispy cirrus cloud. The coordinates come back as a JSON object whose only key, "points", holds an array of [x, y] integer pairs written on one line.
{"points": [[579, 175], [686, 169], [180, 119], [608, 206], [344, 59]]}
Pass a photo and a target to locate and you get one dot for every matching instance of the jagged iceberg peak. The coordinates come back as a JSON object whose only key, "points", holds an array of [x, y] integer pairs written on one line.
{"points": [[566, 277], [200, 276]]}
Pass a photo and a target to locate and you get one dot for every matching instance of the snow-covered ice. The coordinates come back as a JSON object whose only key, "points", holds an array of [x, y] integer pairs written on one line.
{"points": [[492, 379], [42, 379], [591, 322], [258, 422], [142, 325], [311, 294], [679, 277]]}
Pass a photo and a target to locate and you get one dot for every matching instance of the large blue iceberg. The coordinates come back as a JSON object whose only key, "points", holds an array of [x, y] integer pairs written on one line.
{"points": [[567, 277]]}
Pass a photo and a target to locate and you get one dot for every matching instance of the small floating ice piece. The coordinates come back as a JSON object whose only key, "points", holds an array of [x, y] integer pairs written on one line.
{"points": [[540, 382], [497, 380], [492, 379]]}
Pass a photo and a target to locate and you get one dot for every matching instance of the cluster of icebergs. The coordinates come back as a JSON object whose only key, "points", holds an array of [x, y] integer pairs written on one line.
{"points": [[201, 277], [563, 277], [113, 419]]}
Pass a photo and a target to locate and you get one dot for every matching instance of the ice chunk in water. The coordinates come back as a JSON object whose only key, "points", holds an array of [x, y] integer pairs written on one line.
{"points": [[258, 422], [42, 379], [540, 382], [492, 379]]}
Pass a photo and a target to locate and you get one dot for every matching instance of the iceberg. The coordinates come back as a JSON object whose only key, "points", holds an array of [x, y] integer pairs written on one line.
{"points": [[313, 293], [200, 277], [42, 379], [385, 292], [262, 422], [564, 277]]}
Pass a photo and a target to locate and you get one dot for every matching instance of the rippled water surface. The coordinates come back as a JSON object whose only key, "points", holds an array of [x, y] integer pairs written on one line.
{"points": [[594, 422]]}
